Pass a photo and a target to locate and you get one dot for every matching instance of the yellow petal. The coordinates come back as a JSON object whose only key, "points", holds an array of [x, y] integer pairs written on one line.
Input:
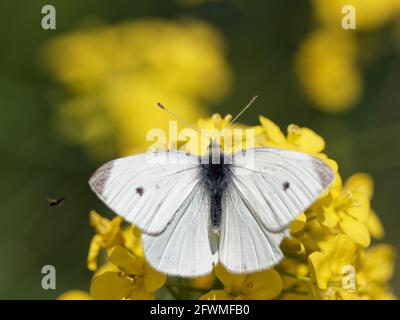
{"points": [[338, 252], [110, 286], [153, 280], [320, 275], [356, 230], [133, 240], [126, 261], [361, 182], [305, 140], [375, 226], [204, 282], [336, 186], [104, 226], [262, 285], [232, 282], [74, 295], [328, 217], [379, 263], [299, 223], [107, 267], [273, 132], [360, 207], [94, 251], [293, 245], [216, 295]]}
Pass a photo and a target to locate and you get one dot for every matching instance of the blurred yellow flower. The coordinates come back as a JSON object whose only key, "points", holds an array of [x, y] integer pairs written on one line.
{"points": [[326, 62], [254, 286], [74, 295], [362, 182], [327, 70], [376, 266], [370, 14], [116, 74]]}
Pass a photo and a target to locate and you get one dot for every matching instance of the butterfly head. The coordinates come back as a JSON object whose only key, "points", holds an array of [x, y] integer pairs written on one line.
{"points": [[215, 152], [214, 146]]}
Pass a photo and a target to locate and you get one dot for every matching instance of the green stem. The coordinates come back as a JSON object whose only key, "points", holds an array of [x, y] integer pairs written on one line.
{"points": [[302, 278], [295, 257], [172, 292]]}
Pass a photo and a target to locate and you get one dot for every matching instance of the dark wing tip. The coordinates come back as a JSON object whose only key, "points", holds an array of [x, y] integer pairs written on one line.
{"points": [[98, 180], [324, 172]]}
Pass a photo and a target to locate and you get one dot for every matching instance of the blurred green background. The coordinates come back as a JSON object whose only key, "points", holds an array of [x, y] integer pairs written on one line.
{"points": [[261, 41]]}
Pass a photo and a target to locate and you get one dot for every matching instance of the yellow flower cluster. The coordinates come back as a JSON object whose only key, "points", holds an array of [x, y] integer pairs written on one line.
{"points": [[327, 62], [116, 74], [329, 254]]}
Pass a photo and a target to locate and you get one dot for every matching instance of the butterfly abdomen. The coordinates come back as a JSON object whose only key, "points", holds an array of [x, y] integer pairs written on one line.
{"points": [[215, 178]]}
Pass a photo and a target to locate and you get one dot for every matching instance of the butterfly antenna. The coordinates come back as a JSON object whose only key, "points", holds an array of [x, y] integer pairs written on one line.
{"points": [[181, 120], [178, 117], [243, 110]]}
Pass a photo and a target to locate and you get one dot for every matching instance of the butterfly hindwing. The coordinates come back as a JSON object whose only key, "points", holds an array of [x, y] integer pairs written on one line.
{"points": [[184, 248], [246, 245]]}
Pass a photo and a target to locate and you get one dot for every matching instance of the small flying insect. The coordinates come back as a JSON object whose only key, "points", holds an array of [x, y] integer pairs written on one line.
{"points": [[56, 202]]}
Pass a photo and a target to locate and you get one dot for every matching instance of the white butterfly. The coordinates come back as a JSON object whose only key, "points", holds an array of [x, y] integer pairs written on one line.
{"points": [[195, 214]]}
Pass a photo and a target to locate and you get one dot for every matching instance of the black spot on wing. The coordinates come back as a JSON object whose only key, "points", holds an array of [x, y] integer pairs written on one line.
{"points": [[285, 185], [140, 191]]}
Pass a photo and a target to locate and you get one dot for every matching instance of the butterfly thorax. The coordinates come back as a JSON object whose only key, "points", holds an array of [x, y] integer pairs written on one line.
{"points": [[215, 175]]}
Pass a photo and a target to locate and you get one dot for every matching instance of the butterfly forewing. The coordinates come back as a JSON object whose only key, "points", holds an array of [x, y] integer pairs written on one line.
{"points": [[147, 189], [279, 184]]}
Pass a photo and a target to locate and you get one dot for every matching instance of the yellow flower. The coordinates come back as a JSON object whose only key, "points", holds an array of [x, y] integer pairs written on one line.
{"points": [[116, 76], [109, 234], [254, 286], [362, 182], [327, 70], [74, 295], [376, 266], [328, 266], [298, 138], [349, 212], [125, 277]]}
